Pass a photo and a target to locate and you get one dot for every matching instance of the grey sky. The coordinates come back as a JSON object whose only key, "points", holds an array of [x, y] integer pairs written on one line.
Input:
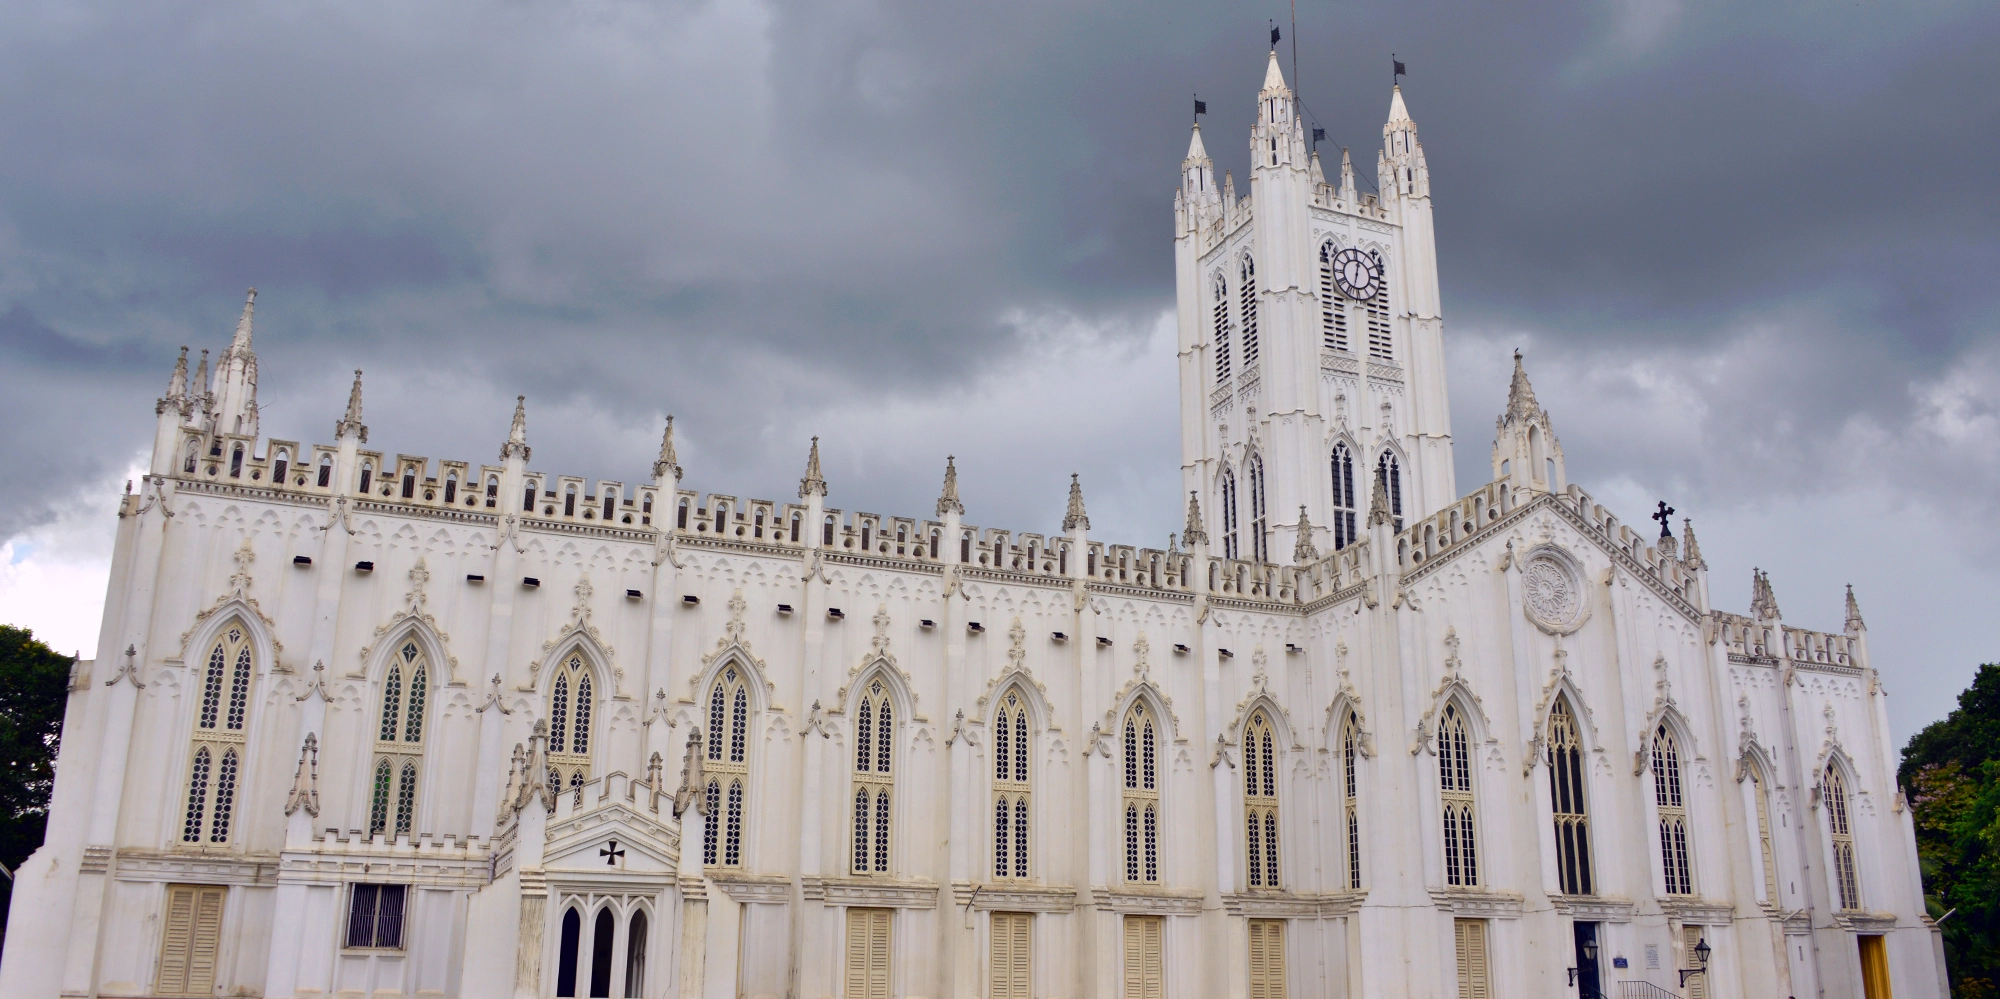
{"points": [[1748, 248]]}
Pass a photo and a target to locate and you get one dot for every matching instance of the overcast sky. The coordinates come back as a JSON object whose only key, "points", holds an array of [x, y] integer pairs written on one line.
{"points": [[1749, 249]]}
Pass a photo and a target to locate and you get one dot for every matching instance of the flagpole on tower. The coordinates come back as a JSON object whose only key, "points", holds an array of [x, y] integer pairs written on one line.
{"points": [[1295, 47]]}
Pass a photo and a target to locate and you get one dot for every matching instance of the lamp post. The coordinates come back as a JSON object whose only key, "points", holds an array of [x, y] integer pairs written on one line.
{"points": [[1701, 952]]}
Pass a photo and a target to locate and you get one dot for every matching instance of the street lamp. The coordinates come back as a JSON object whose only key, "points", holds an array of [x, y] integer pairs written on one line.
{"points": [[1701, 952], [1589, 953]]}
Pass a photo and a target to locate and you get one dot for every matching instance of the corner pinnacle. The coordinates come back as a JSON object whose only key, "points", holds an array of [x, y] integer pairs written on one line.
{"points": [[814, 484], [1075, 518]]}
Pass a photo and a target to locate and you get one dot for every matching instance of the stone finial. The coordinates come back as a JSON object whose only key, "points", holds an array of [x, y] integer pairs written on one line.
{"points": [[177, 384], [350, 425], [201, 386], [948, 500], [666, 461], [1193, 534], [814, 484], [1521, 402], [1075, 518], [1763, 600], [305, 783], [1378, 500], [517, 434], [241, 343], [1304, 553], [1692, 553], [1854, 622]]}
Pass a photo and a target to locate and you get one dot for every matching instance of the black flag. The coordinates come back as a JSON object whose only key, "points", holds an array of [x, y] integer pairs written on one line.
{"points": [[1400, 71], [1319, 135], [1274, 36], [1200, 106]]}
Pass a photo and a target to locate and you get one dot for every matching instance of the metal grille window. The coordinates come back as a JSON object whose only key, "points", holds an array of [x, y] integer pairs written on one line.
{"points": [[1246, 293], [1350, 751], [375, 916], [1228, 514], [570, 705], [1668, 796], [1260, 802], [1461, 852], [218, 745], [1345, 504], [399, 743], [1011, 787], [874, 745], [1567, 801], [1834, 790], [728, 769], [1141, 797], [1332, 304], [1221, 330]]}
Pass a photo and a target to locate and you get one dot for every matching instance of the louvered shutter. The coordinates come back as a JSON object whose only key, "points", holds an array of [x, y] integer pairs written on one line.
{"points": [[868, 954], [176, 938], [1470, 937], [1010, 955], [1267, 959], [1144, 975], [207, 941], [1697, 986]]}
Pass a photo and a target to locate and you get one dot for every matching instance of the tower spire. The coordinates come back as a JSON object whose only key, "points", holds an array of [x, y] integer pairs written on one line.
{"points": [[177, 383], [350, 424], [666, 461], [948, 500], [1075, 517], [1521, 395], [517, 434], [241, 342], [814, 484], [1854, 622]]}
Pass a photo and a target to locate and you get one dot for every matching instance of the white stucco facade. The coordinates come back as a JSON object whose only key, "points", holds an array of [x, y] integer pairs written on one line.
{"points": [[379, 724]]}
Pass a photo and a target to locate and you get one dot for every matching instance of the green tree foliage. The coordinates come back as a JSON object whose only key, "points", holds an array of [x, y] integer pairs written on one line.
{"points": [[1951, 774], [34, 683]]}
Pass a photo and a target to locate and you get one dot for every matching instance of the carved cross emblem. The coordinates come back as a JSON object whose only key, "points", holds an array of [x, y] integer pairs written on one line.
{"points": [[611, 853]]}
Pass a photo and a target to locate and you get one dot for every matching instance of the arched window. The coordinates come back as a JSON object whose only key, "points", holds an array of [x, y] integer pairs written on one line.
{"points": [[571, 704], [1246, 292], [1350, 753], [1461, 853], [278, 469], [569, 501], [721, 518], [1345, 505], [451, 488], [409, 482], [236, 462], [1011, 787], [1668, 796], [1332, 305], [492, 491], [874, 755], [1260, 528], [728, 769], [1381, 347], [568, 952], [1834, 790], [1228, 514], [220, 721], [681, 515], [1141, 797], [325, 470], [1221, 330], [635, 955], [1764, 842], [194, 455], [1567, 801], [1260, 802], [528, 498], [610, 503], [367, 474], [796, 522], [399, 743], [1391, 471]]}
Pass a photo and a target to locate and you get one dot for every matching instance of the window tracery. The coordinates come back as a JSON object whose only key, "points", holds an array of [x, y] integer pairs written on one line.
{"points": [[1012, 788], [1461, 851], [399, 743], [728, 769], [1260, 802], [1566, 797], [1141, 797], [874, 779], [1667, 795], [218, 745]]}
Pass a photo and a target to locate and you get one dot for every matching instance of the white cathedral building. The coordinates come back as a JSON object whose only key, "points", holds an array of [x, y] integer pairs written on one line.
{"points": [[373, 724]]}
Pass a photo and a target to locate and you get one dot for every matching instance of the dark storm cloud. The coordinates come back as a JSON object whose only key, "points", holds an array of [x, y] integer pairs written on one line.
{"points": [[1744, 243]]}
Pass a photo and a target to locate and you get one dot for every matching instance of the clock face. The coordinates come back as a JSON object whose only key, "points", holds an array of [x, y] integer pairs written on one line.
{"points": [[1357, 273]]}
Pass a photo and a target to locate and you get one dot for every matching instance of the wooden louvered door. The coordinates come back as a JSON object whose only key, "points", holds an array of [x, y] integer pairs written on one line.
{"points": [[189, 940], [1697, 986], [1010, 956], [1267, 959], [1145, 974], [1473, 978], [867, 954]]}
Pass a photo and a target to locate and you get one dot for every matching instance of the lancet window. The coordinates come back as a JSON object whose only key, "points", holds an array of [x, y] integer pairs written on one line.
{"points": [[1246, 293], [1669, 797], [1221, 330], [1012, 789], [874, 779], [1260, 527], [1391, 472], [572, 705], [194, 454], [1260, 802], [399, 743], [1141, 797], [1566, 797], [325, 470], [1833, 789], [367, 474], [280, 467], [1228, 514], [1345, 506], [1350, 801], [728, 766], [451, 488], [216, 760], [1461, 851], [1332, 305], [1764, 842], [1381, 346]]}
